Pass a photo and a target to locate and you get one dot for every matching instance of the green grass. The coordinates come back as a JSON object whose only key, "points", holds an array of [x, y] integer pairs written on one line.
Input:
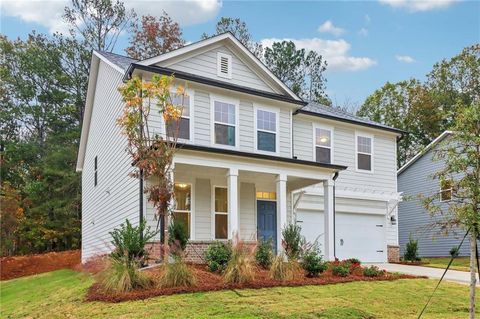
{"points": [[61, 294], [459, 263]]}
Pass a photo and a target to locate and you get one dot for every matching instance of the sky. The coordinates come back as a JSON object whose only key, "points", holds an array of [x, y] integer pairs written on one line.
{"points": [[365, 43]]}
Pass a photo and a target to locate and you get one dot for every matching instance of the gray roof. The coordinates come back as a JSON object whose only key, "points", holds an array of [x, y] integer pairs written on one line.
{"points": [[316, 109], [119, 60]]}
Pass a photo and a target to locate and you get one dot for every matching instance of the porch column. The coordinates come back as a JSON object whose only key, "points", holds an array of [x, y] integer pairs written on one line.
{"points": [[328, 219], [171, 204], [281, 208], [233, 221]]}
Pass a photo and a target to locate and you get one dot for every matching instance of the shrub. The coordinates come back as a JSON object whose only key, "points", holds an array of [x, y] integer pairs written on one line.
{"points": [[122, 275], [341, 270], [177, 274], [240, 267], [264, 254], [292, 241], [129, 242], [454, 251], [372, 271], [177, 237], [281, 270], [411, 250], [217, 256], [353, 261], [313, 264]]}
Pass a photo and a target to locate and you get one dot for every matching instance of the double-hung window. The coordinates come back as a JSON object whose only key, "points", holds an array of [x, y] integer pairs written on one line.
{"points": [[364, 152], [183, 208], [180, 128], [323, 145], [446, 190], [266, 131], [224, 123], [221, 213]]}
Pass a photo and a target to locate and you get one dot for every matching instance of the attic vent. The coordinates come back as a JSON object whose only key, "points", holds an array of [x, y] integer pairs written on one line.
{"points": [[224, 65]]}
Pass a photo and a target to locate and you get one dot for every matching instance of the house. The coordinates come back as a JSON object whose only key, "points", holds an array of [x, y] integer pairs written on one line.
{"points": [[416, 178], [253, 157]]}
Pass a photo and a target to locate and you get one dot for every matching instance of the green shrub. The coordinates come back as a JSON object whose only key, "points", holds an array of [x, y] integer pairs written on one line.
{"points": [[240, 268], [177, 274], [411, 250], [177, 237], [217, 256], [341, 270], [281, 270], [372, 271], [353, 261], [264, 254], [454, 251], [313, 264], [122, 275], [292, 241], [129, 242]]}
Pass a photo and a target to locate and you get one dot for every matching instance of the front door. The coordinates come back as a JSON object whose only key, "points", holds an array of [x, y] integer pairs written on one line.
{"points": [[267, 221]]}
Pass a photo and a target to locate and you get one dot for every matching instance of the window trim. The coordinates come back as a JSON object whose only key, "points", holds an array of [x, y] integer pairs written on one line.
{"points": [[371, 137], [190, 93], [446, 190], [192, 206], [236, 103], [221, 55], [256, 108], [332, 131], [214, 213]]}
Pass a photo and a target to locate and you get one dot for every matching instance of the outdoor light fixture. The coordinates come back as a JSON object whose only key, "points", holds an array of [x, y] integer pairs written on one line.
{"points": [[182, 186], [393, 220], [324, 139]]}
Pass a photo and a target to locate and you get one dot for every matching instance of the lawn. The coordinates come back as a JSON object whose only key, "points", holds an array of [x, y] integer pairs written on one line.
{"points": [[459, 263], [60, 294]]}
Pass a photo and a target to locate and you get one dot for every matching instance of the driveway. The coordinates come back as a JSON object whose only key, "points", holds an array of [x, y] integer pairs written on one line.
{"points": [[461, 277]]}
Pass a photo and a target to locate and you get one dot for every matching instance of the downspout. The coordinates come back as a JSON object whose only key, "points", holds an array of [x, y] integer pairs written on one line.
{"points": [[335, 176]]}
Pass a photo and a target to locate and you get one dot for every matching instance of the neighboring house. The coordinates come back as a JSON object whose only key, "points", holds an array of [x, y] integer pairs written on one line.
{"points": [[253, 157], [416, 178]]}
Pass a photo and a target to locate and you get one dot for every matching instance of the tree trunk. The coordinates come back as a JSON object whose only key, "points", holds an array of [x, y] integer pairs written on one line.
{"points": [[473, 276]]}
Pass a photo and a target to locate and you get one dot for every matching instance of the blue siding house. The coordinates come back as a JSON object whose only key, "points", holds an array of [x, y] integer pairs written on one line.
{"points": [[415, 178]]}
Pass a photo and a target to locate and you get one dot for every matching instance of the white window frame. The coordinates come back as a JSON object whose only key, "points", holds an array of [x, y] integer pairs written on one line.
{"points": [[332, 131], [192, 207], [371, 137], [190, 94], [445, 190], [236, 103], [256, 129], [214, 212], [221, 55]]}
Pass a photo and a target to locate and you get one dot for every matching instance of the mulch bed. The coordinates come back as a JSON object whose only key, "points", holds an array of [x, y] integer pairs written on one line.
{"points": [[207, 281], [410, 263], [19, 266]]}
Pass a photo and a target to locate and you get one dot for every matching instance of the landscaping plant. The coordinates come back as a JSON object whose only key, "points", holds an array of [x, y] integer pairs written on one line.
{"points": [[411, 250], [217, 256], [122, 275], [178, 237], [292, 241], [312, 263], [280, 269], [240, 267], [177, 274], [372, 271], [341, 270], [264, 254], [454, 251]]}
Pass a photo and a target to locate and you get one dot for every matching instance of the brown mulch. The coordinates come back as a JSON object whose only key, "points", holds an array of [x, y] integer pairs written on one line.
{"points": [[410, 263], [207, 281], [19, 266]]}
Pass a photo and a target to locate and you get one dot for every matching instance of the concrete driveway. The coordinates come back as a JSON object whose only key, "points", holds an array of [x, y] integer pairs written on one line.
{"points": [[461, 277]]}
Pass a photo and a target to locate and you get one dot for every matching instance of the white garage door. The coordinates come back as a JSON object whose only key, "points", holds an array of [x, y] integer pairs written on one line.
{"points": [[360, 236]]}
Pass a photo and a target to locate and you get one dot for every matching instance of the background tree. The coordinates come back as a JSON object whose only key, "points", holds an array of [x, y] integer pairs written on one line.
{"points": [[154, 37]]}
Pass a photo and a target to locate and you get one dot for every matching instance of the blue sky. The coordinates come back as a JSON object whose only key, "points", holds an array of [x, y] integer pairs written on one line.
{"points": [[365, 43]]}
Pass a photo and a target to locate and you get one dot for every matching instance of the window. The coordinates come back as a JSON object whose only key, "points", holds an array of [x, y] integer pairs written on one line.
{"points": [[180, 128], [446, 190], [364, 153], [267, 195], [266, 131], [225, 123], [183, 208], [323, 145], [224, 65], [221, 213], [95, 175]]}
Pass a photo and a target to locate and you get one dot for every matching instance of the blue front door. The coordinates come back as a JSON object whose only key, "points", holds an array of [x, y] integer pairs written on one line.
{"points": [[267, 221]]}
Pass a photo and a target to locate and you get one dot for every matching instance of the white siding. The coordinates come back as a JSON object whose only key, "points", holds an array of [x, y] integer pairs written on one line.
{"points": [[246, 126], [285, 135], [115, 198], [202, 113], [203, 209], [248, 229]]}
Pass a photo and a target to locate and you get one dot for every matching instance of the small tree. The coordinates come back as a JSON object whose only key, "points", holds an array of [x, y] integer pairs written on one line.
{"points": [[411, 250]]}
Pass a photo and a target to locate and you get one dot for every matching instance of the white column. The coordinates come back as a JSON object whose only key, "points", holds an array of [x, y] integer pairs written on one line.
{"points": [[171, 204], [281, 208], [233, 220], [328, 219]]}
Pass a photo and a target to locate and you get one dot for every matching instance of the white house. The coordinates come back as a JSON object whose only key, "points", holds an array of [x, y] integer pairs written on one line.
{"points": [[253, 158]]}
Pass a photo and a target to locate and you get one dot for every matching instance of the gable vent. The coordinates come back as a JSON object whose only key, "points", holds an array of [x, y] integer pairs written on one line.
{"points": [[224, 65]]}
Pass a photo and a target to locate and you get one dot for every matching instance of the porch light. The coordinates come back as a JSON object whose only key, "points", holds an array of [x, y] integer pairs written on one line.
{"points": [[323, 139], [393, 220], [182, 186]]}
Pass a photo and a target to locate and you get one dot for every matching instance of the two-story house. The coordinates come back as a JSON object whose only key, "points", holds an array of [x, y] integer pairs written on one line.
{"points": [[253, 157]]}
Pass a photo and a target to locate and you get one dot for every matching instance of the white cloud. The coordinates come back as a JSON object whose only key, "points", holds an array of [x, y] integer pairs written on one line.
{"points": [[367, 19], [335, 53], [363, 32], [405, 58], [419, 5], [328, 27], [48, 13]]}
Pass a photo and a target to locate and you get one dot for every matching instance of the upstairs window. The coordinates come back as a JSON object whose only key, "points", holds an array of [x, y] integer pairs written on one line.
{"points": [[95, 172], [180, 128], [446, 190], [224, 123], [266, 131], [323, 145], [224, 65], [364, 153]]}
